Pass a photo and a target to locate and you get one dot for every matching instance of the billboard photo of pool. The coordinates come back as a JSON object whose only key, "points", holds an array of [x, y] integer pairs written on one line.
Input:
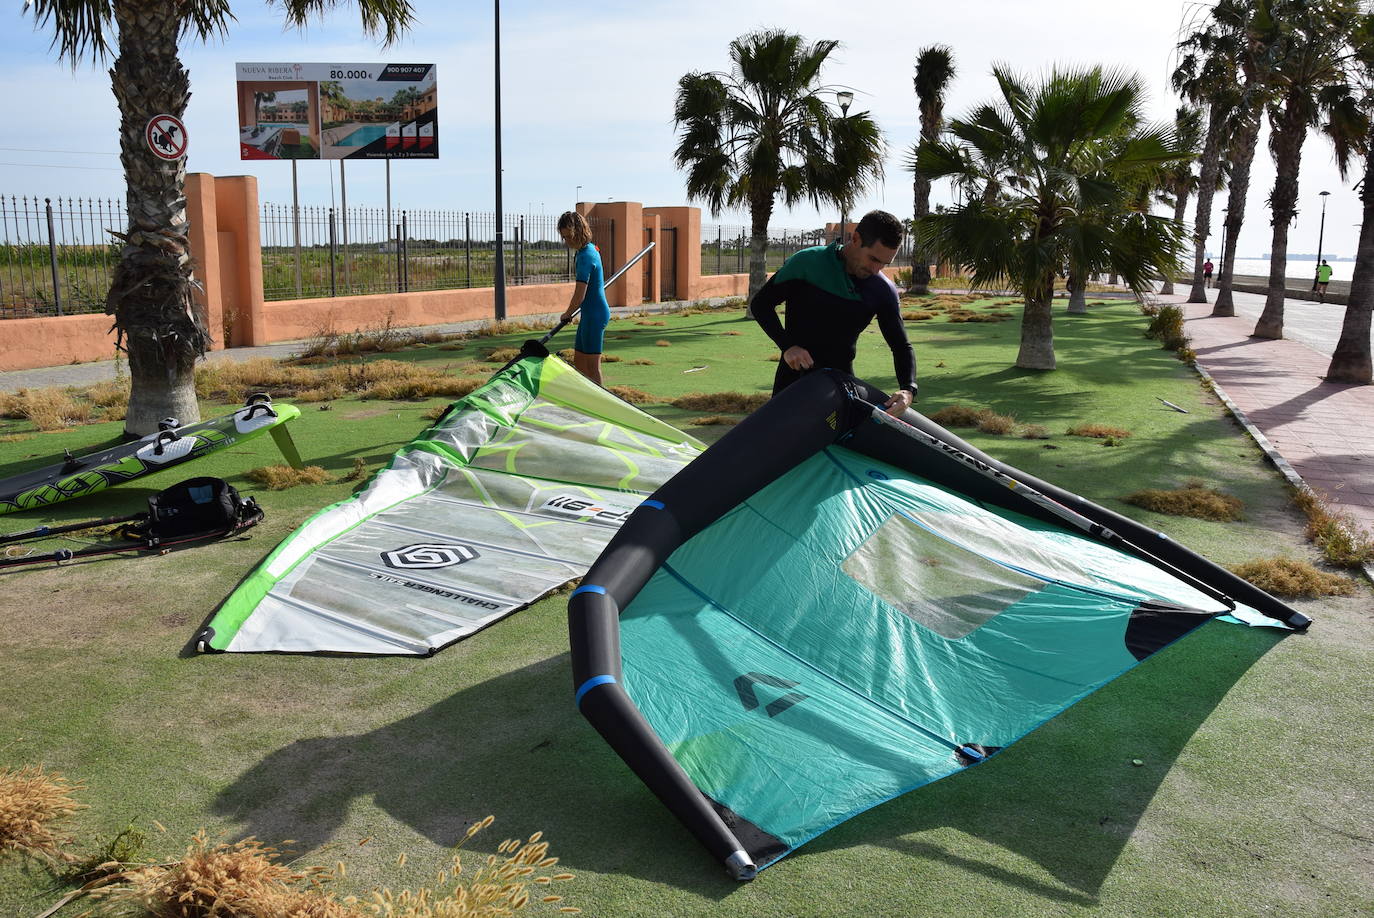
{"points": [[338, 111]]}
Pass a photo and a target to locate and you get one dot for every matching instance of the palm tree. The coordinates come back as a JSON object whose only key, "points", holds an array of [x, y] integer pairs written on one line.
{"points": [[1352, 132], [1309, 80], [766, 129], [934, 70], [1207, 76], [150, 295], [1061, 168], [1181, 181]]}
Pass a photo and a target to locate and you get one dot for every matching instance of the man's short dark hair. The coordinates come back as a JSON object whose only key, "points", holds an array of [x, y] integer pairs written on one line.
{"points": [[880, 226]]}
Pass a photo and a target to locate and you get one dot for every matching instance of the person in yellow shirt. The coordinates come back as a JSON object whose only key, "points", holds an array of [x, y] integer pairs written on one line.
{"points": [[1323, 278]]}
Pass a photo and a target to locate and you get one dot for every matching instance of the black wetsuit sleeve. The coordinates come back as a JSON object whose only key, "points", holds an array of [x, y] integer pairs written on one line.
{"points": [[764, 309], [903, 357]]}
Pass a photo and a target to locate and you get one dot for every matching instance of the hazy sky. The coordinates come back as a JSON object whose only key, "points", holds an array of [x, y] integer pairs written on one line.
{"points": [[587, 92]]}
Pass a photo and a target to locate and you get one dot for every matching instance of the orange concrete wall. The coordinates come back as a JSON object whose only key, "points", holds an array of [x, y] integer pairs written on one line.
{"points": [[288, 320], [54, 341]]}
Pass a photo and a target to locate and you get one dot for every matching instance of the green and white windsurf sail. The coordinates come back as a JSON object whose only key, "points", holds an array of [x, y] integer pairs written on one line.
{"points": [[510, 495]]}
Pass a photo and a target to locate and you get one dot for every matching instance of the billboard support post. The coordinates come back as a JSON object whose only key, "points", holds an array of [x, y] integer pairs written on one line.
{"points": [[296, 223], [343, 211], [500, 279]]}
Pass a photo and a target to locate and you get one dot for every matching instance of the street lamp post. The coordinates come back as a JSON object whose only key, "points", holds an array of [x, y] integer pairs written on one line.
{"points": [[845, 98], [1316, 277], [500, 279]]}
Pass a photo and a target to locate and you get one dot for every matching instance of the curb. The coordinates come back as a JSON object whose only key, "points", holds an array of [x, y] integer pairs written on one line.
{"points": [[1262, 441]]}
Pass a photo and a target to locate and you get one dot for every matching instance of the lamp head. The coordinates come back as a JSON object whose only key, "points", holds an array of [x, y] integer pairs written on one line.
{"points": [[846, 99]]}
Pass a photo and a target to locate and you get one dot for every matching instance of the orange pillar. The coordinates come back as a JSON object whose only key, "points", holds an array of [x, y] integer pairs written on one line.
{"points": [[203, 233], [236, 199], [628, 218], [686, 221]]}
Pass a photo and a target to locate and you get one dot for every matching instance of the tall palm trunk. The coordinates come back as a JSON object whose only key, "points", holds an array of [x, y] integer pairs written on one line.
{"points": [[1037, 328], [1206, 190], [1180, 211], [1351, 361], [1077, 282], [760, 212], [1287, 145], [1242, 156], [150, 294], [920, 259]]}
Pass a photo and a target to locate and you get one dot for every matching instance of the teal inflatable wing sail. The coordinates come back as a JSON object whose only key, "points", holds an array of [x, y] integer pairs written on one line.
{"points": [[510, 495], [831, 607]]}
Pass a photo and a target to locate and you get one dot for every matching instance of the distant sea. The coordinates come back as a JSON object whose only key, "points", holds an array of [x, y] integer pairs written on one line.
{"points": [[1340, 270]]}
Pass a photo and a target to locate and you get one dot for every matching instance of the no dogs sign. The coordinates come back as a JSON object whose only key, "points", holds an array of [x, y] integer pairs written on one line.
{"points": [[166, 137]]}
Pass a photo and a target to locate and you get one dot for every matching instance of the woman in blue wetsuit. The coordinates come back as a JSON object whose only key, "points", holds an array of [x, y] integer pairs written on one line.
{"points": [[589, 293]]}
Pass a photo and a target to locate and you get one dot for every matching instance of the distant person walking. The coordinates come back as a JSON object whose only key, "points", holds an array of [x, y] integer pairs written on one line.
{"points": [[589, 294], [1323, 278], [1207, 267]]}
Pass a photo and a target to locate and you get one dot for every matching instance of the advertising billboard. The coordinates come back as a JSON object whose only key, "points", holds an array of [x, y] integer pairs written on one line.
{"points": [[338, 111]]}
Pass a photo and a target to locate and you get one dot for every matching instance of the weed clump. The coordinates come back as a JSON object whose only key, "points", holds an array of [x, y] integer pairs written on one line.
{"points": [[1193, 500], [728, 402], [709, 420], [281, 477], [983, 419], [1340, 539], [1035, 432], [641, 362], [1098, 431], [1288, 579], [33, 804], [662, 342], [1166, 326], [632, 395]]}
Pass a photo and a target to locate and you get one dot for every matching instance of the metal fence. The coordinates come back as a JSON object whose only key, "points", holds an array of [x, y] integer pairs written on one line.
{"points": [[57, 256], [725, 249], [326, 251]]}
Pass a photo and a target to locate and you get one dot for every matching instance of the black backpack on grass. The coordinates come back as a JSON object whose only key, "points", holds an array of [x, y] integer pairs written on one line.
{"points": [[195, 510]]}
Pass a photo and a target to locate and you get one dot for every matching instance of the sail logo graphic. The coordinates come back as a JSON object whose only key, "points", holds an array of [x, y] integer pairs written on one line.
{"points": [[581, 508], [427, 556]]}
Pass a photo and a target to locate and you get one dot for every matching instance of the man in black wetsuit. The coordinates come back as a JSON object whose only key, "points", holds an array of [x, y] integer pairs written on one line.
{"points": [[832, 294]]}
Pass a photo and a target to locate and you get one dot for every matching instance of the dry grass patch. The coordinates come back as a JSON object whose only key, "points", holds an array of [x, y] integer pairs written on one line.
{"points": [[379, 379], [1035, 432], [641, 362], [985, 420], [1098, 431], [709, 420], [632, 395], [917, 315], [650, 322], [47, 409], [502, 354], [967, 315], [728, 402], [358, 472], [662, 342], [1339, 537], [1193, 499], [611, 358], [731, 334], [281, 477], [33, 804], [1288, 579]]}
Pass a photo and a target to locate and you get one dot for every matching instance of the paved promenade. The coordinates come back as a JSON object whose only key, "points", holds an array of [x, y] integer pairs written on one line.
{"points": [[1324, 431]]}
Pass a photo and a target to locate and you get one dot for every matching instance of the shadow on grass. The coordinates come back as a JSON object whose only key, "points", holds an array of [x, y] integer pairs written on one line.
{"points": [[1066, 798]]}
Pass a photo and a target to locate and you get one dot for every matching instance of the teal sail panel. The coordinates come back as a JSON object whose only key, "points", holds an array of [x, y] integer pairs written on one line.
{"points": [[919, 624]]}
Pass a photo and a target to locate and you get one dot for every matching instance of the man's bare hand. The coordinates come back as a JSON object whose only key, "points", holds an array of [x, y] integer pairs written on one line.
{"points": [[900, 402], [798, 358]]}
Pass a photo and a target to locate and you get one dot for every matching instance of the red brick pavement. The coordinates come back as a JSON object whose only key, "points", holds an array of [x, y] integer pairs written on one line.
{"points": [[1324, 430]]}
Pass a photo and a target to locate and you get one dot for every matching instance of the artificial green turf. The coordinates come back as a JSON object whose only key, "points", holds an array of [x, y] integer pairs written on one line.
{"points": [[1254, 796]]}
